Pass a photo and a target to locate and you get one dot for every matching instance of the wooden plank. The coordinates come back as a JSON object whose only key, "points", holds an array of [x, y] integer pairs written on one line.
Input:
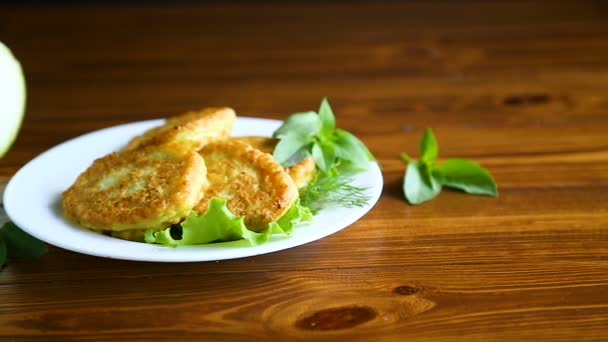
{"points": [[516, 301]]}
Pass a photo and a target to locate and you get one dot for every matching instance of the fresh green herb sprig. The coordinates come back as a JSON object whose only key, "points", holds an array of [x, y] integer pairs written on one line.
{"points": [[315, 134], [339, 190], [424, 178], [15, 243], [338, 155]]}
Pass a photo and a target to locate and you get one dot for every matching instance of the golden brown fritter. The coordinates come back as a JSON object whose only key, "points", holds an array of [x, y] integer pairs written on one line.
{"points": [[253, 183], [264, 144], [131, 235], [301, 173], [148, 188], [193, 129]]}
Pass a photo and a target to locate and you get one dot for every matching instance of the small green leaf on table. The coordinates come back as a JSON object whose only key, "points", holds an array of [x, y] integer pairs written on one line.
{"points": [[424, 179], [468, 176], [419, 185]]}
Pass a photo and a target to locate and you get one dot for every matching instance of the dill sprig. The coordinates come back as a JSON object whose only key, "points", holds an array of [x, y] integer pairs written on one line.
{"points": [[337, 189]]}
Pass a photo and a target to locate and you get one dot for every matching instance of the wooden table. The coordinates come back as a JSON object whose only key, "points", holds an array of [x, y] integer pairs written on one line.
{"points": [[520, 87]]}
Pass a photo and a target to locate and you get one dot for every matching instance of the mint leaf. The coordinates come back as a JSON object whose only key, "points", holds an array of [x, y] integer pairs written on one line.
{"points": [[467, 176], [306, 123], [20, 244], [420, 185], [429, 150], [2, 253], [328, 120], [291, 148]]}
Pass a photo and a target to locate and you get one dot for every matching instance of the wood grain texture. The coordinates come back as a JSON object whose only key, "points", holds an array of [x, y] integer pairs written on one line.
{"points": [[520, 87]]}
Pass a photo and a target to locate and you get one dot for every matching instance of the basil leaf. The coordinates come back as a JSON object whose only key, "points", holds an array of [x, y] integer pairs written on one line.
{"points": [[2, 253], [328, 120], [406, 158], [295, 158], [342, 134], [429, 150], [468, 176], [309, 133], [431, 176], [306, 123], [324, 156], [350, 148], [19, 244], [420, 185], [289, 145]]}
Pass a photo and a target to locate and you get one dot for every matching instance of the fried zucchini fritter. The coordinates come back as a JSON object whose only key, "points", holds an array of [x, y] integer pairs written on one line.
{"points": [[193, 129], [264, 144], [131, 235], [301, 173], [148, 188], [253, 183]]}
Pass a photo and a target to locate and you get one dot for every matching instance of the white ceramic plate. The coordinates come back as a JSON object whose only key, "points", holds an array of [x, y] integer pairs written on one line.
{"points": [[33, 201]]}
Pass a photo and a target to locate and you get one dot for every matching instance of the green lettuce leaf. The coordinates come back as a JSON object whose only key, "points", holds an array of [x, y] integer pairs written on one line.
{"points": [[294, 215], [218, 224]]}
